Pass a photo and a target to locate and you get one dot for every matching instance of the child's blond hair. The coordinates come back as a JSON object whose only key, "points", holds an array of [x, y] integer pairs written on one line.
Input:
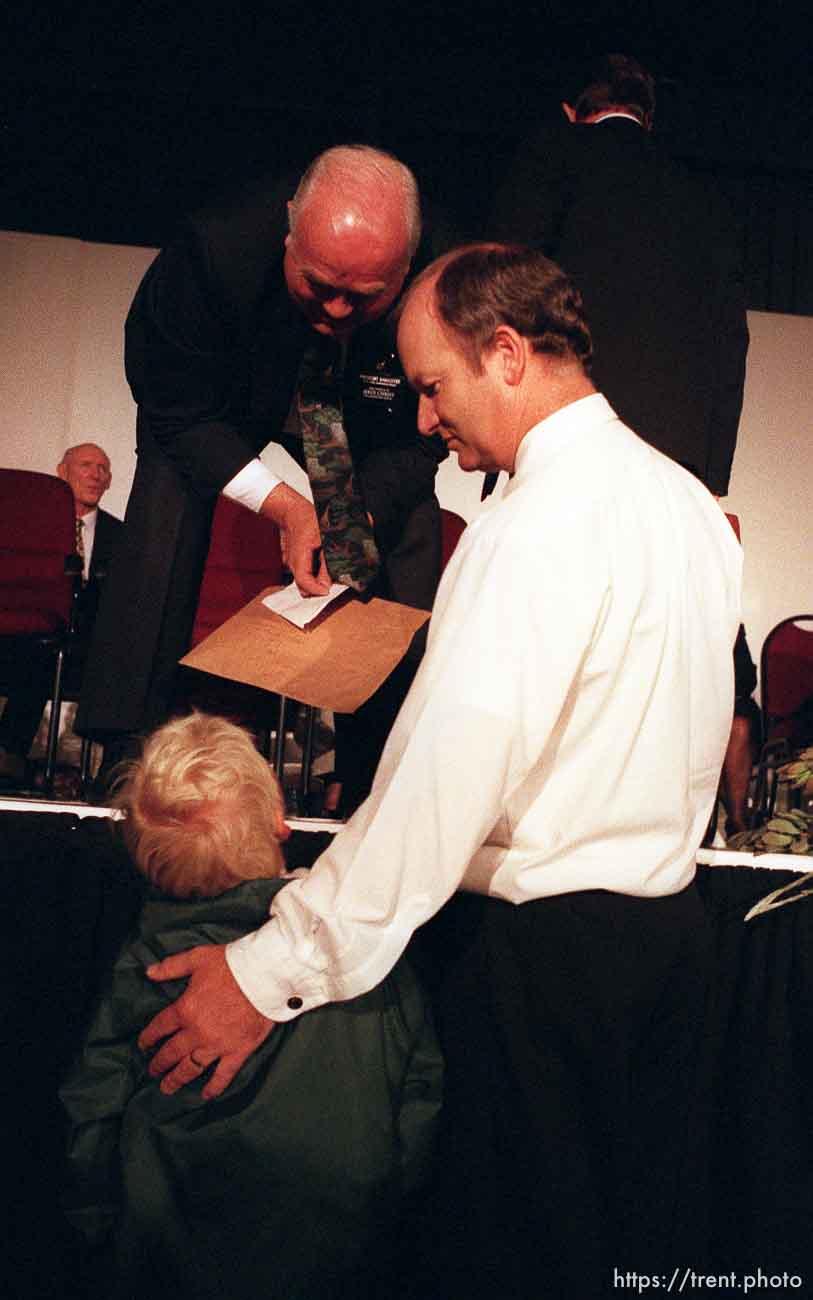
{"points": [[203, 809]]}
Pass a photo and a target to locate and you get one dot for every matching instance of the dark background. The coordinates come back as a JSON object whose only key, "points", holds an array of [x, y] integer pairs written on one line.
{"points": [[117, 118]]}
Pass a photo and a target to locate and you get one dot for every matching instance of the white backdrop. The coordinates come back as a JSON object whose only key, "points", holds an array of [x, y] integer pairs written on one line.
{"points": [[62, 309]]}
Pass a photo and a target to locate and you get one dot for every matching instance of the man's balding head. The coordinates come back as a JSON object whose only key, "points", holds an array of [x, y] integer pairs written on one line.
{"points": [[493, 339], [86, 470], [354, 226], [478, 287]]}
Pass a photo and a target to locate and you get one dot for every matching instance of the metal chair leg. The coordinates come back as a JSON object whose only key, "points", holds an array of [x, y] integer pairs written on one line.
{"points": [[84, 766], [53, 726], [279, 750], [307, 756]]}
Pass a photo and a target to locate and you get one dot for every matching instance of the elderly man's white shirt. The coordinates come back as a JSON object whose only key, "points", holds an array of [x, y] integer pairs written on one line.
{"points": [[565, 730], [88, 522]]}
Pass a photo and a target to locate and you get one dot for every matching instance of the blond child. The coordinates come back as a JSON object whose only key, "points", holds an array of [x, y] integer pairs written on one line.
{"points": [[293, 1182]]}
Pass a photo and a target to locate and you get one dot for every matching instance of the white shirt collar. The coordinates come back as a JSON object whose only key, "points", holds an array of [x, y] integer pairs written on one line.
{"points": [[578, 418], [605, 117]]}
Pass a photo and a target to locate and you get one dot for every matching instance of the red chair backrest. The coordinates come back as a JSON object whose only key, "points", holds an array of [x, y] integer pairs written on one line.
{"points": [[244, 557], [786, 672], [734, 520], [452, 526], [37, 533]]}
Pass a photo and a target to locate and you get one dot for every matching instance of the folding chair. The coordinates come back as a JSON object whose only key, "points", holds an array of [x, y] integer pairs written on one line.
{"points": [[40, 577], [786, 670]]}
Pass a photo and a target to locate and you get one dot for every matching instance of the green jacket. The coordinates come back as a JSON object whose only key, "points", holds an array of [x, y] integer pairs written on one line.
{"points": [[289, 1182]]}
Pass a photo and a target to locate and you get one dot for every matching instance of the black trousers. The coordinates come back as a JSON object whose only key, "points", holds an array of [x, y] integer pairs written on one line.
{"points": [[574, 1131]]}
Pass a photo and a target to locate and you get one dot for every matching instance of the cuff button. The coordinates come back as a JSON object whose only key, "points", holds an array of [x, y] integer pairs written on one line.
{"points": [[294, 1004]]}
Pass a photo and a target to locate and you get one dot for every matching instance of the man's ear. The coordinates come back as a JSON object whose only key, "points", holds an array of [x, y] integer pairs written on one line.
{"points": [[62, 471], [509, 349], [569, 111]]}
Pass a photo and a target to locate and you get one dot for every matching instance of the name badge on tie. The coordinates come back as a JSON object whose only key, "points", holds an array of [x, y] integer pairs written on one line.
{"points": [[382, 383]]}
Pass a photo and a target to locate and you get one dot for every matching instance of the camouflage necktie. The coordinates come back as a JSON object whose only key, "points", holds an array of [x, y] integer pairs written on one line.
{"points": [[350, 551]]}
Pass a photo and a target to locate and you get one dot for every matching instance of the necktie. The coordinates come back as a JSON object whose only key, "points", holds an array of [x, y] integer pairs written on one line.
{"points": [[349, 548], [80, 545]]}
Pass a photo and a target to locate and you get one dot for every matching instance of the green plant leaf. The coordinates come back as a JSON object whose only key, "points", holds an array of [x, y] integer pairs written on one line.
{"points": [[775, 839]]}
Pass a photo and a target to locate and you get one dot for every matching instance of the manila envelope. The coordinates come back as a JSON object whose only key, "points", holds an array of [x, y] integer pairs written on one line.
{"points": [[335, 663]]}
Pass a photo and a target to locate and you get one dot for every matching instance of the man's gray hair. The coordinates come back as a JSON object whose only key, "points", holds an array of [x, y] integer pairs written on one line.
{"points": [[353, 164]]}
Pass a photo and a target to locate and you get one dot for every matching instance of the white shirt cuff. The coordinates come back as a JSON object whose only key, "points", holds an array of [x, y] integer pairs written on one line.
{"points": [[255, 960], [251, 485]]}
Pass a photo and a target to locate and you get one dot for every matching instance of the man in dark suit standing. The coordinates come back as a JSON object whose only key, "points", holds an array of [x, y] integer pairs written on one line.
{"points": [[86, 470], [216, 342], [654, 253]]}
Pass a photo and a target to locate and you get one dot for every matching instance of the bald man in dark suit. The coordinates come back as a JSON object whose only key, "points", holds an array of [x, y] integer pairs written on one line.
{"points": [[214, 344]]}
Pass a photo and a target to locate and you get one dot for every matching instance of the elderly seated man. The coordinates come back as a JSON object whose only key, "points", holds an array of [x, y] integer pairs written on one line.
{"points": [[27, 681]]}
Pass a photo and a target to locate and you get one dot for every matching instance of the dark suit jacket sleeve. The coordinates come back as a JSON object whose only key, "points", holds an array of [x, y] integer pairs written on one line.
{"points": [[181, 356]]}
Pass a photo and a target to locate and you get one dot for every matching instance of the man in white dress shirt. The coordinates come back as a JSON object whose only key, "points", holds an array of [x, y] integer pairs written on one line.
{"points": [[557, 758]]}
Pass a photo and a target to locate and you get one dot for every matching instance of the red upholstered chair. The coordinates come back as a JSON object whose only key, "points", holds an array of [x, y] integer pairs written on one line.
{"points": [[786, 673], [452, 526], [40, 574], [244, 557]]}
